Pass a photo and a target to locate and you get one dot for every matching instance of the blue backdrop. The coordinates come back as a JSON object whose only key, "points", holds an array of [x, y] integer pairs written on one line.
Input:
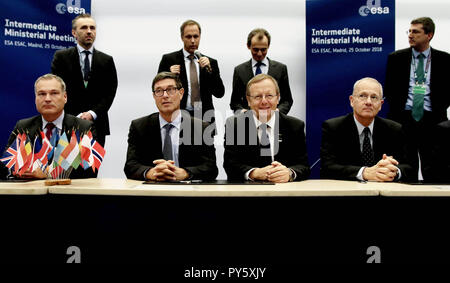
{"points": [[346, 40], [33, 31]]}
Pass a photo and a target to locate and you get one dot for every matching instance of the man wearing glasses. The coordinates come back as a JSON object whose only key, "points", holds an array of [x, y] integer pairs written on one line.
{"points": [[264, 144], [416, 87], [362, 146], [168, 145]]}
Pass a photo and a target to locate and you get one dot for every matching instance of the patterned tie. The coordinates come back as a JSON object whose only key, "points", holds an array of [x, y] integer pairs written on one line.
{"points": [[167, 148], [87, 67], [49, 130], [367, 152], [258, 68], [195, 86], [418, 99]]}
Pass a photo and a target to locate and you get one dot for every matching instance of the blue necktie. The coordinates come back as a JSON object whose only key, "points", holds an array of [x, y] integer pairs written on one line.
{"points": [[258, 68]]}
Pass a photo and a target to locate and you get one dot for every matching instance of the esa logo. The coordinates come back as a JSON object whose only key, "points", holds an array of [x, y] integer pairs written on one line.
{"points": [[70, 7], [373, 7]]}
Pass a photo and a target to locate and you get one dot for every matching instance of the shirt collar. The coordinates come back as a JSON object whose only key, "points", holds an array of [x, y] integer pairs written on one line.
{"points": [[81, 49], [58, 122], [186, 54], [361, 127], [425, 53], [270, 123], [265, 61], [176, 122]]}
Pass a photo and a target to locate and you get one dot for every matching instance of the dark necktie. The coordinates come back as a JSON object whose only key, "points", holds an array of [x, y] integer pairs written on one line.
{"points": [[367, 152], [87, 67], [418, 98], [167, 148], [195, 87], [265, 145], [49, 130], [258, 68]]}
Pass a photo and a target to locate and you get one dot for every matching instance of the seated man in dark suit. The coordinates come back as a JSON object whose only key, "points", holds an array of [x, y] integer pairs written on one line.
{"points": [[264, 144], [362, 146], [50, 99], [168, 145], [258, 42]]}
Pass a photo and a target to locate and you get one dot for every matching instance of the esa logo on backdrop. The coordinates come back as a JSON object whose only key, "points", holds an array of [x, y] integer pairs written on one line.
{"points": [[373, 7], [71, 7]]}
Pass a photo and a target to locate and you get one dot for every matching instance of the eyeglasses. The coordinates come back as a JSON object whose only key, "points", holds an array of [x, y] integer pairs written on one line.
{"points": [[171, 90], [363, 97], [260, 97]]}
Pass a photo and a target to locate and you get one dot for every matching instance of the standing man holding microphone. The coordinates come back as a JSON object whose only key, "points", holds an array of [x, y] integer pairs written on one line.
{"points": [[199, 74]]}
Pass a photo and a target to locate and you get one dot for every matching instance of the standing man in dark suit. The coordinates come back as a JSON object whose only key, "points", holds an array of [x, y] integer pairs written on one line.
{"points": [[439, 169], [169, 145], [90, 76], [258, 42], [417, 87], [199, 74], [264, 144], [50, 92], [362, 146]]}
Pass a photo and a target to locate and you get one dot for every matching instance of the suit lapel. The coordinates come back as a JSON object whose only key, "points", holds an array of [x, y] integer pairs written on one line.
{"points": [[248, 75], [154, 129], [182, 149], [272, 69], [436, 66], [378, 131], [35, 128], [407, 69], [94, 63], [68, 125], [353, 144], [183, 77], [278, 132], [75, 61]]}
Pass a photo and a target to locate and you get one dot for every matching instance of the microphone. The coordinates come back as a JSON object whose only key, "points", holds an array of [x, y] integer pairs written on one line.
{"points": [[198, 54]]}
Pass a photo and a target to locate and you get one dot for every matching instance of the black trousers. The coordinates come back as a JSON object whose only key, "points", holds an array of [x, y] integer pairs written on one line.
{"points": [[419, 136]]}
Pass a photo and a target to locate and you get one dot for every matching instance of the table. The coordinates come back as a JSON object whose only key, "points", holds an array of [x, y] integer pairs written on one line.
{"points": [[23, 188], [123, 221], [136, 188]]}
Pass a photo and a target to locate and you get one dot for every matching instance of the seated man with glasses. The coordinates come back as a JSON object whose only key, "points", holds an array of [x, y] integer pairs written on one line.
{"points": [[170, 145], [264, 144], [361, 145]]}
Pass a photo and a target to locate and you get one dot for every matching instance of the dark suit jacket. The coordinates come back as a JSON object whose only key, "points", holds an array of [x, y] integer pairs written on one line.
{"points": [[244, 72], [439, 169], [210, 83], [340, 152], [145, 146], [241, 154], [33, 126], [101, 89], [397, 83]]}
